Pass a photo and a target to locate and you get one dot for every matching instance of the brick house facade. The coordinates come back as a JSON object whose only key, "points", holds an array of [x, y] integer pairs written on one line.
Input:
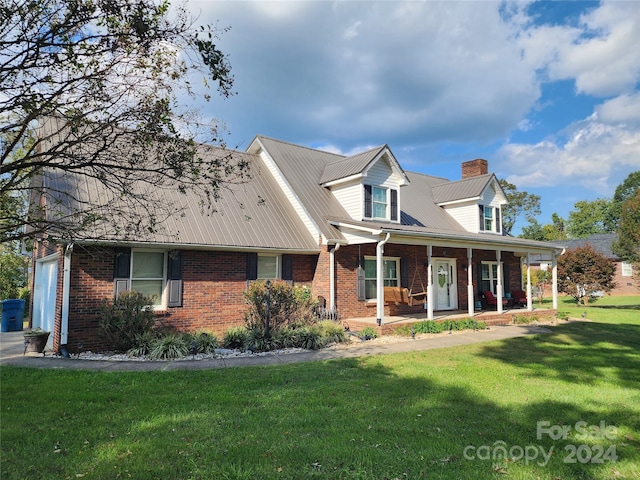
{"points": [[344, 226]]}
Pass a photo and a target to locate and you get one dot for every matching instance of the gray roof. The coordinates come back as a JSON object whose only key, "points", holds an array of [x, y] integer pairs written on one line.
{"points": [[254, 214], [600, 242], [461, 189], [347, 166]]}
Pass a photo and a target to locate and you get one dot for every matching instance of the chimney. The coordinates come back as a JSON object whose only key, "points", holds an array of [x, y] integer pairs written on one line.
{"points": [[473, 168]]}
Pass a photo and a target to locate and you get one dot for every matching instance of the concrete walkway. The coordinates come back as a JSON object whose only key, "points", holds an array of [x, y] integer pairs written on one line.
{"points": [[12, 349]]}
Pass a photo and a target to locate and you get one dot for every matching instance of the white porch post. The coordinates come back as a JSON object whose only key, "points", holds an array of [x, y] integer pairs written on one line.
{"points": [[380, 280], [429, 283], [529, 299], [554, 277], [499, 282], [470, 296]]}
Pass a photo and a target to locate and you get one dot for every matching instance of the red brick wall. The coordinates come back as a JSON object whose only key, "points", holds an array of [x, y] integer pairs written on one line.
{"points": [[213, 286]]}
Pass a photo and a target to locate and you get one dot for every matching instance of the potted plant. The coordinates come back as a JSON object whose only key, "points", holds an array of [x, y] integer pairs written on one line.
{"points": [[35, 339]]}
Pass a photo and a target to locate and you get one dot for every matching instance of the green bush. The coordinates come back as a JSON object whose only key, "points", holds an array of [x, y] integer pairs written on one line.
{"points": [[310, 337], [428, 326], [169, 347], [236, 337], [202, 342], [368, 333], [332, 332], [144, 343], [125, 318], [524, 319]]}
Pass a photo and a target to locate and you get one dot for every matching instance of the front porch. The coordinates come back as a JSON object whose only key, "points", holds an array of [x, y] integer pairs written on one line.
{"points": [[391, 323]]}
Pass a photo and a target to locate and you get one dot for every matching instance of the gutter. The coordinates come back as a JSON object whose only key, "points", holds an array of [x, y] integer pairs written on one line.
{"points": [[66, 282]]}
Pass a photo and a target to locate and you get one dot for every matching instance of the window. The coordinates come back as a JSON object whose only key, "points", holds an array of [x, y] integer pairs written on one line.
{"points": [[268, 267], [391, 274], [489, 277], [490, 219], [379, 202], [147, 274], [627, 269]]}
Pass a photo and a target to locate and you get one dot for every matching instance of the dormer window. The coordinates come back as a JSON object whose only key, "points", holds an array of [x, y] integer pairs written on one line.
{"points": [[490, 219], [380, 203]]}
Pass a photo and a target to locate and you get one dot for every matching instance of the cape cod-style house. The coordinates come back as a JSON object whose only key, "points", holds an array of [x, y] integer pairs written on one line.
{"points": [[372, 239]]}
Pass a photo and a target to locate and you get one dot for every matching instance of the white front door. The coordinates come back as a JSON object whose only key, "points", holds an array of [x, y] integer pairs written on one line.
{"points": [[44, 296], [446, 285]]}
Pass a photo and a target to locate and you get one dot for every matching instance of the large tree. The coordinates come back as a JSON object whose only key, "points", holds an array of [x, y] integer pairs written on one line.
{"points": [[589, 218], [627, 189], [582, 271], [627, 247], [520, 204], [550, 232], [96, 89]]}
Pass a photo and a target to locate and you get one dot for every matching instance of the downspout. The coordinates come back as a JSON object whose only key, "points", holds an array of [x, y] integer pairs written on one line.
{"points": [[332, 276], [66, 282], [380, 280]]}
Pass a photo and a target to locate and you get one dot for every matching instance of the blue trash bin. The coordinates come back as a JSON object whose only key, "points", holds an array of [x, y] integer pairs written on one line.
{"points": [[12, 315]]}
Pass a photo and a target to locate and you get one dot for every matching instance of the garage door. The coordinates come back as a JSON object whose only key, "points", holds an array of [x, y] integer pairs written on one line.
{"points": [[44, 295]]}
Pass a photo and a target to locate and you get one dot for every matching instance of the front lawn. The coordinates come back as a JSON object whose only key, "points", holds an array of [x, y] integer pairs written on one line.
{"points": [[431, 414]]}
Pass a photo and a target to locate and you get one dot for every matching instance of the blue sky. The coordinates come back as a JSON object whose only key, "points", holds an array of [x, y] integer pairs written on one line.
{"points": [[547, 92]]}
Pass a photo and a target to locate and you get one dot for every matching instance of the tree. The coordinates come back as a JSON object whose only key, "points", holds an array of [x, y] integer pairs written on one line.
{"points": [[89, 89], [520, 203], [627, 247], [13, 271], [627, 189], [582, 271], [551, 232], [589, 218]]}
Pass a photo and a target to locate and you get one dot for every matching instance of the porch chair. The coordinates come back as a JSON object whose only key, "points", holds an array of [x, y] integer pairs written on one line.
{"points": [[519, 298], [491, 300]]}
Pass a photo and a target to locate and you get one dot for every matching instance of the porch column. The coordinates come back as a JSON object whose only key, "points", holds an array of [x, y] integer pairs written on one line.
{"points": [[554, 280], [499, 282], [529, 299], [470, 296], [380, 280], [429, 283]]}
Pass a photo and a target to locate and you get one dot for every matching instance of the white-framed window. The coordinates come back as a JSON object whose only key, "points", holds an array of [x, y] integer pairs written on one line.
{"points": [[391, 274], [489, 277], [379, 196], [627, 269], [148, 275], [490, 219], [268, 267]]}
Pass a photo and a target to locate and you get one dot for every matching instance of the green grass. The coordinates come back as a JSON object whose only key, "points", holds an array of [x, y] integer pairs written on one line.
{"points": [[380, 417]]}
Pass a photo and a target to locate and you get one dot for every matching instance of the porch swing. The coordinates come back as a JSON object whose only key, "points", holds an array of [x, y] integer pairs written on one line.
{"points": [[420, 296]]}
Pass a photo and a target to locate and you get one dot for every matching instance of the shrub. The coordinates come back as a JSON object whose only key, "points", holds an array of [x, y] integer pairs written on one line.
{"points": [[169, 347], [524, 319], [332, 332], [235, 337], [369, 333], [202, 342], [428, 326], [310, 337], [125, 318], [144, 343]]}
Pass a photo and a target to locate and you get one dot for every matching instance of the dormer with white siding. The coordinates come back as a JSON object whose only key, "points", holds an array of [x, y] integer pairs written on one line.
{"points": [[367, 185], [476, 201]]}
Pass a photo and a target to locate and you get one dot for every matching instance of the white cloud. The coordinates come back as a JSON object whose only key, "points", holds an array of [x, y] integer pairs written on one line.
{"points": [[624, 109]]}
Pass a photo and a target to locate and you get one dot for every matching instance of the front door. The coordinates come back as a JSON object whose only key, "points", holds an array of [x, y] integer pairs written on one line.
{"points": [[446, 288]]}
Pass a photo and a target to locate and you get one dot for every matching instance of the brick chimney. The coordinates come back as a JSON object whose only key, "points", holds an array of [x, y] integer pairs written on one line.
{"points": [[473, 168]]}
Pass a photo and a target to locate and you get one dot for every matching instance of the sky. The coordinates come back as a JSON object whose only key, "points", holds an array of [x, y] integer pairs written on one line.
{"points": [[547, 92]]}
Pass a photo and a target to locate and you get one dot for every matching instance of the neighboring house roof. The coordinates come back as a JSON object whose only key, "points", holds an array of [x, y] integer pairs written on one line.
{"points": [[600, 242], [467, 189], [253, 214]]}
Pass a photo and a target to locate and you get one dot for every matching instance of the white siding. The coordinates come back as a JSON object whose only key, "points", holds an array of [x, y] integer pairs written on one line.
{"points": [[467, 215], [381, 175], [351, 197]]}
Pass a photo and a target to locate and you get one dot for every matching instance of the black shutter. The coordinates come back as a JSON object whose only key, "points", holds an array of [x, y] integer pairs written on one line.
{"points": [[498, 224], [122, 265], [404, 273], [394, 204], [174, 277], [360, 277], [287, 267], [481, 217], [252, 266], [505, 278], [368, 202], [480, 286]]}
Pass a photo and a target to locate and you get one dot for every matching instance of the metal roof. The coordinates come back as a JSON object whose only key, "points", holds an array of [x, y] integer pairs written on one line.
{"points": [[348, 166], [254, 214], [462, 189]]}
